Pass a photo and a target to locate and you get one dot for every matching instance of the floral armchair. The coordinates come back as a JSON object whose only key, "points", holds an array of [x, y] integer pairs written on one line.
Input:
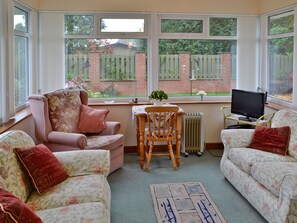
{"points": [[57, 116]]}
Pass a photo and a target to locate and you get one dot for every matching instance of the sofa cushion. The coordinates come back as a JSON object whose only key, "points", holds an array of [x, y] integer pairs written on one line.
{"points": [[272, 174], [287, 117], [86, 212], [244, 158], [13, 209], [108, 142], [92, 120], [274, 140], [64, 110], [12, 176], [42, 166], [74, 190]]}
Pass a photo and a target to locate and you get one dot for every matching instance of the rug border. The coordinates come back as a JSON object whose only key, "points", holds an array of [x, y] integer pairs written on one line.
{"points": [[157, 214]]}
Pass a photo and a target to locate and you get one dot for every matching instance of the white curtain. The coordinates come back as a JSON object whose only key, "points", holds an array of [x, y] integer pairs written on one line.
{"points": [[248, 52], [6, 60], [51, 36]]}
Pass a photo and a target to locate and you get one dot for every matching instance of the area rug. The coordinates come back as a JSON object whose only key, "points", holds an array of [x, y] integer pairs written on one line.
{"points": [[184, 203]]}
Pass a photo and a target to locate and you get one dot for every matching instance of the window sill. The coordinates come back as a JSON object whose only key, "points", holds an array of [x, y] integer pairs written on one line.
{"points": [[150, 103], [277, 106], [21, 115]]}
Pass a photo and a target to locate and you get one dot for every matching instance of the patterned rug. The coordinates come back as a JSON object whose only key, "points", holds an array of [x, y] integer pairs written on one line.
{"points": [[184, 203]]}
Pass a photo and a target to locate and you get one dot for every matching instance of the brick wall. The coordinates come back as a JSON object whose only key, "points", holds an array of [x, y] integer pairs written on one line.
{"points": [[184, 85]]}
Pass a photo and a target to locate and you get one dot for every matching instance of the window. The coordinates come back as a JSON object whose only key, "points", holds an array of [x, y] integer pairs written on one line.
{"points": [[122, 25], [79, 24], [21, 56], [106, 64], [181, 26], [280, 55], [113, 61], [189, 63], [223, 26]]}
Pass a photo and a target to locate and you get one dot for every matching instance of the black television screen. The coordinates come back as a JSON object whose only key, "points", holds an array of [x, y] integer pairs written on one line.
{"points": [[248, 103]]}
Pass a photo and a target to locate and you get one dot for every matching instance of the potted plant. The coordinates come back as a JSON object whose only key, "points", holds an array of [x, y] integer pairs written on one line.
{"points": [[158, 96]]}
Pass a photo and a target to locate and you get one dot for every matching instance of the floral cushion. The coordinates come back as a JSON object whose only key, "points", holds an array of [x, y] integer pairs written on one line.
{"points": [[287, 118], [64, 109], [12, 176], [244, 158], [87, 212], [105, 141], [272, 175], [74, 190], [85, 162]]}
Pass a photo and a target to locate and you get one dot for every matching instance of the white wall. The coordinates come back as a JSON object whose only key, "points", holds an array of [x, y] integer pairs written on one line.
{"points": [[195, 6], [212, 116]]}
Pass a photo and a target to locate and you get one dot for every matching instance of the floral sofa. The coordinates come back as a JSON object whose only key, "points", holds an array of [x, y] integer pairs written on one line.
{"points": [[267, 180], [83, 197]]}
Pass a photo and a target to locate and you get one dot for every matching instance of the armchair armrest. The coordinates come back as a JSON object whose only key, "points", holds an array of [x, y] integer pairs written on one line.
{"points": [[112, 128], [76, 140], [84, 162], [236, 138]]}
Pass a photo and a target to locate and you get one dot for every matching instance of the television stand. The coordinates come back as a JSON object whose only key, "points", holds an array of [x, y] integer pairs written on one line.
{"points": [[248, 119], [240, 120], [241, 126]]}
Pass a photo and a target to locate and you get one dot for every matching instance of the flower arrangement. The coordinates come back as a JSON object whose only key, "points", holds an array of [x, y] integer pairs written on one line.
{"points": [[158, 95], [201, 94]]}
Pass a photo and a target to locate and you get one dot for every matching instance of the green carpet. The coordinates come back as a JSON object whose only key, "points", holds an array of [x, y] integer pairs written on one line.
{"points": [[131, 200]]}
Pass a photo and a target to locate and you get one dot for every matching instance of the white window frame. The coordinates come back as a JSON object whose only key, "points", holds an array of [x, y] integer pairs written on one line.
{"points": [[202, 36], [118, 35], [265, 58], [28, 36]]}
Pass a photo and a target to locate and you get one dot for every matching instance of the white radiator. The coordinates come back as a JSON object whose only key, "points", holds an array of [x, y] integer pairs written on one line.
{"points": [[193, 133]]}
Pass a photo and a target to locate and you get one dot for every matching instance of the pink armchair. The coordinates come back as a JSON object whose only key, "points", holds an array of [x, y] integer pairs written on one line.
{"points": [[56, 117]]}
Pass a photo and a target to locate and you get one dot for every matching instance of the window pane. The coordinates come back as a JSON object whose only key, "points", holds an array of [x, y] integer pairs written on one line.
{"points": [[223, 26], [189, 66], [281, 68], [181, 26], [79, 24], [280, 24], [122, 25], [107, 67], [20, 20], [21, 70]]}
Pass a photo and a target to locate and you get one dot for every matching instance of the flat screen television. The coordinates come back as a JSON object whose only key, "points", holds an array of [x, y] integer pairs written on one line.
{"points": [[250, 104]]}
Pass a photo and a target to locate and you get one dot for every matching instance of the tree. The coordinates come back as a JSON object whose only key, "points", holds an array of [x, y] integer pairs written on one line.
{"points": [[218, 27], [281, 25], [80, 25]]}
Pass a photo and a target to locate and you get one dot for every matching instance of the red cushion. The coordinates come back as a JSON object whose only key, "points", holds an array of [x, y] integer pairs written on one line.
{"points": [[92, 120], [13, 209], [274, 140], [42, 166]]}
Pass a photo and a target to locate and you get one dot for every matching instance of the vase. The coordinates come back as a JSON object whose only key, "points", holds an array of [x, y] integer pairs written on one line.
{"points": [[158, 103], [201, 97]]}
